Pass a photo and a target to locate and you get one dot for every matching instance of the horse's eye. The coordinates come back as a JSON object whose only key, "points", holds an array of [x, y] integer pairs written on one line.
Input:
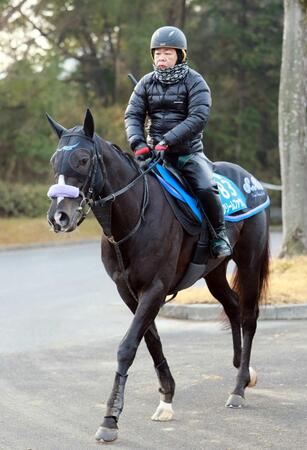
{"points": [[84, 161], [79, 161]]}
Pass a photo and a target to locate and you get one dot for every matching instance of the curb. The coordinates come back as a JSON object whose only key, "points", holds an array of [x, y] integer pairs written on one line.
{"points": [[213, 312]]}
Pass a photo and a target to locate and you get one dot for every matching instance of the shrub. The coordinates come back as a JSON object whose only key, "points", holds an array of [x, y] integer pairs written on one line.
{"points": [[23, 200]]}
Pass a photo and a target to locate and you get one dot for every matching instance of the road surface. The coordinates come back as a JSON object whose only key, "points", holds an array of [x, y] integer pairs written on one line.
{"points": [[61, 320]]}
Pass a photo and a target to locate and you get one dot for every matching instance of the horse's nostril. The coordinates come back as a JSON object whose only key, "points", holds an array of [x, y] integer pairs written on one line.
{"points": [[56, 228], [61, 218]]}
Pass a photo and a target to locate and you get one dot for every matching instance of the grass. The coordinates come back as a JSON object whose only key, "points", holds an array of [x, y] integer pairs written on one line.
{"points": [[27, 231], [287, 282]]}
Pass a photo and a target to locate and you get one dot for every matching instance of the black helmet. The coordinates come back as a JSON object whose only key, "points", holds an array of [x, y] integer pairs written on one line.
{"points": [[170, 37]]}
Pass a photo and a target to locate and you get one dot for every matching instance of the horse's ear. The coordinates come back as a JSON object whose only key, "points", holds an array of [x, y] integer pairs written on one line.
{"points": [[56, 126], [88, 125]]}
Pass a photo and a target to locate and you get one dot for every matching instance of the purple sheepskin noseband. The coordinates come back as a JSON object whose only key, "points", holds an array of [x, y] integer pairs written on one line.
{"points": [[63, 190]]}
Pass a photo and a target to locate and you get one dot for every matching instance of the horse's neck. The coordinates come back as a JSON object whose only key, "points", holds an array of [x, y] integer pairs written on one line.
{"points": [[126, 208]]}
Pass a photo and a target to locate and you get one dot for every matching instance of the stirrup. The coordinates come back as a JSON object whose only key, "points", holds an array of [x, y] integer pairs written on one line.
{"points": [[220, 246]]}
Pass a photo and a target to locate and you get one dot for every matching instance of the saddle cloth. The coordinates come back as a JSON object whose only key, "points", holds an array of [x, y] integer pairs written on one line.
{"points": [[242, 195]]}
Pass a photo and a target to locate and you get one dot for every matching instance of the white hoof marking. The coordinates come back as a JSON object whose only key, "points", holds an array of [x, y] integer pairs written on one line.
{"points": [[164, 412], [253, 378]]}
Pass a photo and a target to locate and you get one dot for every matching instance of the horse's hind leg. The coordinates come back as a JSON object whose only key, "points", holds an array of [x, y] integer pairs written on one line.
{"points": [[252, 259], [249, 314], [218, 286], [164, 411]]}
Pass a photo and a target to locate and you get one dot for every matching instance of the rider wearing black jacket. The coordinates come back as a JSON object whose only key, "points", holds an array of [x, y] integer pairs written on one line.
{"points": [[177, 101]]}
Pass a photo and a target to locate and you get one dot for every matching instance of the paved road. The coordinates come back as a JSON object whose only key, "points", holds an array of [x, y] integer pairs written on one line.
{"points": [[53, 399], [60, 294], [60, 323]]}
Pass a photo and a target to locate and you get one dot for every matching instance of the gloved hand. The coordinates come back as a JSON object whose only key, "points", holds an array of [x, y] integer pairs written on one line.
{"points": [[161, 146], [142, 152]]}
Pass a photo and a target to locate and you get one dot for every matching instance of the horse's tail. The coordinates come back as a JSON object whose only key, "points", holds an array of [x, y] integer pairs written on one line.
{"points": [[263, 272]]}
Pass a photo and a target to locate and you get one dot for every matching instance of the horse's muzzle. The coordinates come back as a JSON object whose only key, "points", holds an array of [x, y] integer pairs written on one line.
{"points": [[65, 216]]}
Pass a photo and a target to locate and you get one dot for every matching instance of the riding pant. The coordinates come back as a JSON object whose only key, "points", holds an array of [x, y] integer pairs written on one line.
{"points": [[196, 170]]}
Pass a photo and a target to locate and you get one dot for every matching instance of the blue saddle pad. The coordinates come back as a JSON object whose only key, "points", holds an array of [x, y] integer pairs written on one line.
{"points": [[232, 197]]}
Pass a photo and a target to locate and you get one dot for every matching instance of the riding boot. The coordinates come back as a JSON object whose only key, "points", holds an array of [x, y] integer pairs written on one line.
{"points": [[211, 204]]}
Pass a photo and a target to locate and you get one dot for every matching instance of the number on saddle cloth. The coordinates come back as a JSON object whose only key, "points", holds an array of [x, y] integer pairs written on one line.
{"points": [[233, 199]]}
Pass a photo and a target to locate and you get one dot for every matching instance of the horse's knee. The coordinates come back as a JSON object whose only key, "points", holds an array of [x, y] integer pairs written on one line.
{"points": [[125, 354]]}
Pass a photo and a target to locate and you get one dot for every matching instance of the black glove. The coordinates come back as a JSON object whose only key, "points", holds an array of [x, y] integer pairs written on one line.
{"points": [[142, 152]]}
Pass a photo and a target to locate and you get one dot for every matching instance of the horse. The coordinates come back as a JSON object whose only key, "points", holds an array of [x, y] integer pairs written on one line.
{"points": [[146, 256]]}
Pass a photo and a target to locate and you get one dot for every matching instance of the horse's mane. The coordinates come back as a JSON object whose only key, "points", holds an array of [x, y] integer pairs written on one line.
{"points": [[123, 155]]}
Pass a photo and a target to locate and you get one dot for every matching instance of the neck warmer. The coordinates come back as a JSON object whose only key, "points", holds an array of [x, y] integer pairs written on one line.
{"points": [[171, 75]]}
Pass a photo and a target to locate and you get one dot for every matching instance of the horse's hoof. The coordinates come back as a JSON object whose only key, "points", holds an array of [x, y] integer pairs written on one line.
{"points": [[164, 412], [106, 434], [235, 401], [253, 378]]}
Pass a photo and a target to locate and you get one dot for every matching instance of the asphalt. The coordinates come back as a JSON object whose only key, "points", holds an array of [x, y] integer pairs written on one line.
{"points": [[61, 321], [54, 399]]}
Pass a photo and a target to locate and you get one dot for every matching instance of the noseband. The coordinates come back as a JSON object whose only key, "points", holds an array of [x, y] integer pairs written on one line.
{"points": [[87, 190]]}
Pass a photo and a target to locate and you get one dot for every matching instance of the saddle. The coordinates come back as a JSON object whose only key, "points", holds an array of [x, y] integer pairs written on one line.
{"points": [[242, 196]]}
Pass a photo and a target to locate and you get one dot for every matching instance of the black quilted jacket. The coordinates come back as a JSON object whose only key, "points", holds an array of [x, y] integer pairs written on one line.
{"points": [[178, 112]]}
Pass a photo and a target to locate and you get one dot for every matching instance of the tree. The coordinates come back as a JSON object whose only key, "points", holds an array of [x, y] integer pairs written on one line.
{"points": [[77, 53], [102, 40], [236, 45], [293, 127]]}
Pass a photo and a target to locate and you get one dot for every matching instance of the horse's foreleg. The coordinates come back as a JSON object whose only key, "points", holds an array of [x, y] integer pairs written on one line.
{"points": [[147, 310]]}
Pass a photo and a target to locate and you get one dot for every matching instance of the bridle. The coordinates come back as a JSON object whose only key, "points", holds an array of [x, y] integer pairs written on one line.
{"points": [[102, 206]]}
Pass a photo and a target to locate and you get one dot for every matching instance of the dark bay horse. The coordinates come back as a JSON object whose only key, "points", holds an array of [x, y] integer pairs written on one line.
{"points": [[146, 252]]}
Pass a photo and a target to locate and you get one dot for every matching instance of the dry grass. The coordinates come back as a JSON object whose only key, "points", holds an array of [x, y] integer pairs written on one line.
{"points": [[288, 284], [27, 231]]}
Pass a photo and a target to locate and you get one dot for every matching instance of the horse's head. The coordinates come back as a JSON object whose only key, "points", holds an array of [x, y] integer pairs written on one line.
{"points": [[78, 173]]}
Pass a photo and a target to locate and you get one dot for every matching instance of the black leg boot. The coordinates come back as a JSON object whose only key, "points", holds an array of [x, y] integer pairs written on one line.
{"points": [[211, 204]]}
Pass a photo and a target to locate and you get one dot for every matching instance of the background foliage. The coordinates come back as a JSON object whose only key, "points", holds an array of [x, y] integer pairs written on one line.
{"points": [[62, 56]]}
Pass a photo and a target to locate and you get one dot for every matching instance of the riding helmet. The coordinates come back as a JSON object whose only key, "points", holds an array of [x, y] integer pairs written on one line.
{"points": [[170, 37]]}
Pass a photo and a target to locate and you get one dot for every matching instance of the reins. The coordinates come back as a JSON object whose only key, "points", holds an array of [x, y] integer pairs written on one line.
{"points": [[105, 203], [102, 209]]}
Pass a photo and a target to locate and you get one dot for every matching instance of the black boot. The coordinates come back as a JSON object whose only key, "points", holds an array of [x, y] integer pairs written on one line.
{"points": [[220, 245], [211, 204]]}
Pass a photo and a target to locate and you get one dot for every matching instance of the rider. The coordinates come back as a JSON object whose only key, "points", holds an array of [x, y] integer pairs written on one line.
{"points": [[177, 101]]}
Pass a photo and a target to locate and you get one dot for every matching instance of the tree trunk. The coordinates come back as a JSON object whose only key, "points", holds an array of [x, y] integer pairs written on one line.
{"points": [[176, 14], [241, 82], [293, 128]]}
